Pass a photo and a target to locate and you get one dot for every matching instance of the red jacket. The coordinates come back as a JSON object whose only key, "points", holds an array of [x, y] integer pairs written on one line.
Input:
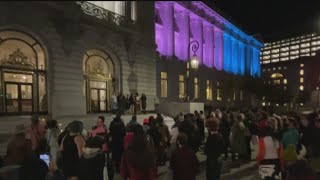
{"points": [[129, 172], [184, 164], [127, 139]]}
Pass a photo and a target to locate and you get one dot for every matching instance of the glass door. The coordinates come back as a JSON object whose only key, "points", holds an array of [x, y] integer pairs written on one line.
{"points": [[98, 100], [19, 97]]}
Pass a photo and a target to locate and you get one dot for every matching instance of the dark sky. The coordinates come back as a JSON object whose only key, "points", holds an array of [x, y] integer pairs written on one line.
{"points": [[273, 19]]}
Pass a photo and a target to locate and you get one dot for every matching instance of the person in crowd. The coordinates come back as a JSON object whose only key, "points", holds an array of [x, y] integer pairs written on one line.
{"points": [[238, 140], [188, 127], [165, 139], [247, 133], [143, 103], [202, 116], [146, 125], [121, 103], [155, 135], [100, 129], [184, 163], [214, 147], [131, 123], [92, 162], [114, 103], [117, 133], [262, 122], [132, 103], [301, 170], [291, 136], [135, 129], [224, 130], [38, 135], [315, 146], [52, 138], [200, 124], [18, 147], [139, 160], [173, 134], [270, 153], [181, 117], [72, 149]]}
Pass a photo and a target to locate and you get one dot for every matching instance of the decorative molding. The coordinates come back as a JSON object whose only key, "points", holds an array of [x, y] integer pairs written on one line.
{"points": [[108, 16], [17, 60], [96, 70]]}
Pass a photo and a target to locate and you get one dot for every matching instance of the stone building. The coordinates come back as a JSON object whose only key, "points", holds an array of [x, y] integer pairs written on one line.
{"points": [[223, 50], [66, 59]]}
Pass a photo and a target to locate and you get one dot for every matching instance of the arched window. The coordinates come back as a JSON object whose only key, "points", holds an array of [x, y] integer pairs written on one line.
{"points": [[99, 72], [22, 74], [277, 77]]}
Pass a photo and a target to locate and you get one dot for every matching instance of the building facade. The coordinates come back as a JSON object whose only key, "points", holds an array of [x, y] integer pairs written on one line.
{"points": [[69, 58], [224, 50], [290, 48], [299, 76]]}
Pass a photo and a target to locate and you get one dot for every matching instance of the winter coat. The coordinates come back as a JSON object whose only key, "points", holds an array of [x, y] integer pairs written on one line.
{"points": [[238, 142], [52, 139], [91, 164], [184, 164], [127, 171]]}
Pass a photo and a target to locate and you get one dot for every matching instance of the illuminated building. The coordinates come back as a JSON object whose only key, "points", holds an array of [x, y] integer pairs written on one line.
{"points": [[290, 48]]}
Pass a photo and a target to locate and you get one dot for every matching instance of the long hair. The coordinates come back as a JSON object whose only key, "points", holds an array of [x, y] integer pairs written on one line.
{"points": [[140, 152]]}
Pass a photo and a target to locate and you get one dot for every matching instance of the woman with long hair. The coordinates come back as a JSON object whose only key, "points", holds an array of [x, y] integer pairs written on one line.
{"points": [[139, 160]]}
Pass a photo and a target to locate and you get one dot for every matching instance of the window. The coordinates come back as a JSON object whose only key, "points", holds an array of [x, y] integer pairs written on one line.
{"points": [[294, 47], [234, 95], [301, 80], [301, 65], [209, 90], [284, 59], [181, 87], [164, 84], [23, 87], [285, 81], [196, 88], [294, 52], [275, 51], [301, 88], [276, 75], [285, 54], [305, 45], [285, 49], [113, 6], [305, 50], [219, 97], [301, 72], [275, 55], [98, 70]]}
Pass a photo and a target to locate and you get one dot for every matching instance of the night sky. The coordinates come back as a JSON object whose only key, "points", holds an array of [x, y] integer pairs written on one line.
{"points": [[273, 19]]}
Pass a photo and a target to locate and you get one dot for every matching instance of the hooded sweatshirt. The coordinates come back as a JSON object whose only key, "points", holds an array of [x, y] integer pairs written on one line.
{"points": [[91, 164]]}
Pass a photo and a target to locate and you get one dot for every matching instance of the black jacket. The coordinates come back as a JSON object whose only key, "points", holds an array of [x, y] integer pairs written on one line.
{"points": [[91, 164]]}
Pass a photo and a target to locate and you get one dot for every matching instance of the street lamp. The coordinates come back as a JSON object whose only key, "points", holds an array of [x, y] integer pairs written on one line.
{"points": [[193, 62]]}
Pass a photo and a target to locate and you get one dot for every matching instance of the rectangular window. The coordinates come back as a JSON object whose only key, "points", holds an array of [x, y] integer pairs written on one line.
{"points": [[219, 98], [209, 90], [301, 80], [181, 87], [164, 84], [196, 88]]}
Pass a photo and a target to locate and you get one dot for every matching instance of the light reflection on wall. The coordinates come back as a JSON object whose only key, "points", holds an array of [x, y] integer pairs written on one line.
{"points": [[176, 26]]}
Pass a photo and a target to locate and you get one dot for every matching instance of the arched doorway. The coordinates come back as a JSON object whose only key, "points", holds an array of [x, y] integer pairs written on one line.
{"points": [[99, 76], [22, 74]]}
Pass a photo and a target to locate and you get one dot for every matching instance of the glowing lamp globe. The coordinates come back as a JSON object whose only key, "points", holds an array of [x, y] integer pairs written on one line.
{"points": [[194, 62]]}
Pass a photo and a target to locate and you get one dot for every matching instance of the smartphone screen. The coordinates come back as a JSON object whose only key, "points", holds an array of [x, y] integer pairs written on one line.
{"points": [[45, 158]]}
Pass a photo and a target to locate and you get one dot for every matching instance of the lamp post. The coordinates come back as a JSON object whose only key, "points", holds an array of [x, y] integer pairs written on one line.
{"points": [[318, 96], [193, 62]]}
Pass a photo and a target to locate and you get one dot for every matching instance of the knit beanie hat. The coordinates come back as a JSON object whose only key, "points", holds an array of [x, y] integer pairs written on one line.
{"points": [[290, 153]]}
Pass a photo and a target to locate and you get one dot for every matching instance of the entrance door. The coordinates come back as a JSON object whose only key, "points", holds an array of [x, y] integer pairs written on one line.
{"points": [[98, 100], [19, 97]]}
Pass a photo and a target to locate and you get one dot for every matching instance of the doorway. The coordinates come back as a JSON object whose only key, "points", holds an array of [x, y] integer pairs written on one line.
{"points": [[19, 97]]}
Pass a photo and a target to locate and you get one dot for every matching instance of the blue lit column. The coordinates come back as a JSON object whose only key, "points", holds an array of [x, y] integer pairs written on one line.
{"points": [[226, 52]]}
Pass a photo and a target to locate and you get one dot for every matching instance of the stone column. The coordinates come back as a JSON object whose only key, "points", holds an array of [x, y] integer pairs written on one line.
{"points": [[197, 31], [168, 26], [218, 48], [185, 34]]}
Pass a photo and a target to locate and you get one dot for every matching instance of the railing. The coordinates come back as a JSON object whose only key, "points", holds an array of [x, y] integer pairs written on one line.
{"points": [[109, 16]]}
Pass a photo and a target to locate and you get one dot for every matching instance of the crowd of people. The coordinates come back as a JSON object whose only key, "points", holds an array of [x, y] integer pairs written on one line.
{"points": [[287, 147], [131, 104]]}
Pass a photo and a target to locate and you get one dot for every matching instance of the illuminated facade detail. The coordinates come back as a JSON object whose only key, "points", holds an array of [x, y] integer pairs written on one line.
{"points": [[222, 45], [164, 84], [290, 49]]}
